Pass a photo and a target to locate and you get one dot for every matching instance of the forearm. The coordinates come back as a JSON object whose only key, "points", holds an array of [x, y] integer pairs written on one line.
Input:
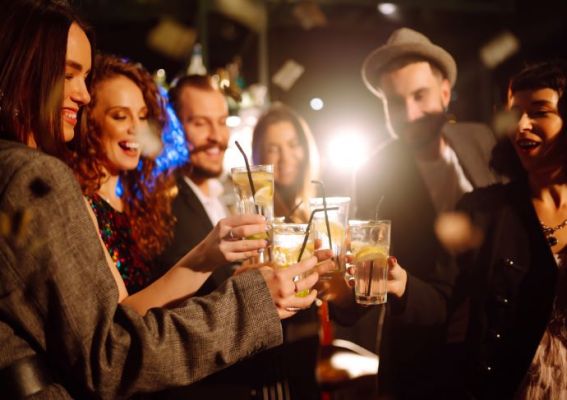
{"points": [[176, 284]]}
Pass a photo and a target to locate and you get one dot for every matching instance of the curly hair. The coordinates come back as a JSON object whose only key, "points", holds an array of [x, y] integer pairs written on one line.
{"points": [[146, 195]]}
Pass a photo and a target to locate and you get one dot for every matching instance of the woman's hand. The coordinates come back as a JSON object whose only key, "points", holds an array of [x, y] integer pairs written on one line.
{"points": [[397, 278], [283, 287], [225, 244]]}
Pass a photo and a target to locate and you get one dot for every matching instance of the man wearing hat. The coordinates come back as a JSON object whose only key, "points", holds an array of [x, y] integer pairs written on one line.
{"points": [[424, 168]]}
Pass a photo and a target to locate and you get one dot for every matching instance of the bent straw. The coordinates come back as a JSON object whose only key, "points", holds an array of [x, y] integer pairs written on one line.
{"points": [[325, 209], [308, 229], [250, 180]]}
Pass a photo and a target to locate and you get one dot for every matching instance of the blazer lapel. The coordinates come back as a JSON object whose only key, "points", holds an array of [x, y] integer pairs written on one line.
{"points": [[193, 202], [472, 144]]}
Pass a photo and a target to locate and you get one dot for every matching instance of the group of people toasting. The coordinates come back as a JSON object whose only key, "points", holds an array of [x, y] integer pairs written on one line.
{"points": [[114, 296]]}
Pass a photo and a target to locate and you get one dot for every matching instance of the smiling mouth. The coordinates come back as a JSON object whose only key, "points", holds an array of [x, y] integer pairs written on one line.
{"points": [[129, 146], [70, 116], [527, 144]]}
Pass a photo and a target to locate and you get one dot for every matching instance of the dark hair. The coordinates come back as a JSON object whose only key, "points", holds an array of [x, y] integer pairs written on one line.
{"points": [[146, 196], [549, 74], [279, 112], [203, 82], [33, 37]]}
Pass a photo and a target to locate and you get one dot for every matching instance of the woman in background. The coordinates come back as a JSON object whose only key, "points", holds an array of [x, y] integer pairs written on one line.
{"points": [[282, 138]]}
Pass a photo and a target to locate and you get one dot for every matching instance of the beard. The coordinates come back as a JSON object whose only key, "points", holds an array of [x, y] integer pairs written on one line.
{"points": [[206, 173], [424, 131]]}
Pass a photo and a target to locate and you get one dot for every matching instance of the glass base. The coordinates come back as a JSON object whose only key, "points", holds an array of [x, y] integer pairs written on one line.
{"points": [[371, 300]]}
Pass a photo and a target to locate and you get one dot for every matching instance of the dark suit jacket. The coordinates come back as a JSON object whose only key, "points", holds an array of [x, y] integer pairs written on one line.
{"points": [[408, 351], [510, 283], [58, 298], [192, 226]]}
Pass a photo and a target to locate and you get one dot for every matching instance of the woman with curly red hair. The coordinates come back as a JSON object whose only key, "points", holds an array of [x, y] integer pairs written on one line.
{"points": [[125, 105]]}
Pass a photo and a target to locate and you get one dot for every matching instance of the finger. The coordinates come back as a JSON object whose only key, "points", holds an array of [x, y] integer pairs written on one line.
{"points": [[306, 282], [243, 219], [325, 267], [299, 268], [243, 245], [317, 243], [323, 254], [351, 281], [350, 269], [241, 256], [244, 231], [294, 302]]}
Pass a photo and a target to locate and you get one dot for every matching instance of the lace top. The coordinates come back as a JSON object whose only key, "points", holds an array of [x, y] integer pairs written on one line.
{"points": [[116, 234], [547, 375]]}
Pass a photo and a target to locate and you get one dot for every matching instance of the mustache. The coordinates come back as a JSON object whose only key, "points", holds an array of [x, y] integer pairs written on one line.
{"points": [[205, 147]]}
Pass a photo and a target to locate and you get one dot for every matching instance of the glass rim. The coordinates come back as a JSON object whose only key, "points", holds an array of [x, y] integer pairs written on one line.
{"points": [[356, 223], [253, 168], [284, 225], [329, 199]]}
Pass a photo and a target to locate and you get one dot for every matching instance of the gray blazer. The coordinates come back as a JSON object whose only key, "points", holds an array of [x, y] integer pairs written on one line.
{"points": [[58, 299]]}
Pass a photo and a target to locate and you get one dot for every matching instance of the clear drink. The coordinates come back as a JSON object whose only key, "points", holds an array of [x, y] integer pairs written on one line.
{"points": [[262, 203], [286, 246], [338, 222], [369, 246]]}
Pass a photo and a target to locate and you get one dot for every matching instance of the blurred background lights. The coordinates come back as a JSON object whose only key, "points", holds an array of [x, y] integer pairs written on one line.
{"points": [[233, 121], [316, 104], [347, 149], [387, 8]]}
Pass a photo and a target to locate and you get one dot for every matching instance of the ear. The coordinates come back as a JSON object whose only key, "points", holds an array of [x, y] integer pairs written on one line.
{"points": [[445, 93]]}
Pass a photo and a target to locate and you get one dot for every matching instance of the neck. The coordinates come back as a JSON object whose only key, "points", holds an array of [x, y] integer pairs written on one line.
{"points": [[107, 191], [201, 182], [431, 151], [549, 190]]}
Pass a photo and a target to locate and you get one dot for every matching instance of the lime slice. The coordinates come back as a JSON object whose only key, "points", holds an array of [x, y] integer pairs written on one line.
{"points": [[369, 253], [264, 195]]}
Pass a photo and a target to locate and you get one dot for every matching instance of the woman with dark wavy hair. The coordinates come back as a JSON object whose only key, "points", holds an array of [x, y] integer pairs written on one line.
{"points": [[282, 138], [126, 104]]}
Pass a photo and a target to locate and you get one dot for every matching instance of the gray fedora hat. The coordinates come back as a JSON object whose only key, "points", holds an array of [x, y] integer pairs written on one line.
{"points": [[405, 42]]}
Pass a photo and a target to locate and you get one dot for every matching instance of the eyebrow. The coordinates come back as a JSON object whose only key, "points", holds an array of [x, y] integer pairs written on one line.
{"points": [[541, 103]]}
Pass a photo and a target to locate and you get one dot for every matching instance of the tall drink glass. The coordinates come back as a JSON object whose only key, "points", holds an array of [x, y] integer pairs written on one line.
{"points": [[262, 202], [370, 247], [338, 222], [287, 240]]}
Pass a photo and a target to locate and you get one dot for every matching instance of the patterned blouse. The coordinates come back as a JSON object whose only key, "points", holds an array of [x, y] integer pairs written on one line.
{"points": [[116, 234], [547, 375]]}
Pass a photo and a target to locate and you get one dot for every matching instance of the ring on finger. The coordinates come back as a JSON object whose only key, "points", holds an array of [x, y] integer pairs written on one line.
{"points": [[231, 235], [295, 279]]}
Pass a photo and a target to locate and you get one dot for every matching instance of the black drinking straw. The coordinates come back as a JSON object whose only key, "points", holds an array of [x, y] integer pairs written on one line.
{"points": [[307, 230], [250, 180], [376, 216], [325, 209]]}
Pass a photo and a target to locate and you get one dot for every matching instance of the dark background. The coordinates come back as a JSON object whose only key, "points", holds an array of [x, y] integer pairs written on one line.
{"points": [[333, 53]]}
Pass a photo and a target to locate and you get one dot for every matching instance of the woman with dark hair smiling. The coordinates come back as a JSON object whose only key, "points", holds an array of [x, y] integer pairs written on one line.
{"points": [[63, 331], [282, 138]]}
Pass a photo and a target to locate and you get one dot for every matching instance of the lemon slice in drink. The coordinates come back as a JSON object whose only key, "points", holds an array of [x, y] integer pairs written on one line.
{"points": [[337, 230], [369, 253], [264, 195]]}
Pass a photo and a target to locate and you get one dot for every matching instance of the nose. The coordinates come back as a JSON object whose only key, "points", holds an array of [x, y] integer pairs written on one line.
{"points": [[525, 122], [80, 93], [217, 132]]}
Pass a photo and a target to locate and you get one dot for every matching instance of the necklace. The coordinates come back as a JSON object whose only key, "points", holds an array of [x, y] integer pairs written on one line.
{"points": [[549, 232]]}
